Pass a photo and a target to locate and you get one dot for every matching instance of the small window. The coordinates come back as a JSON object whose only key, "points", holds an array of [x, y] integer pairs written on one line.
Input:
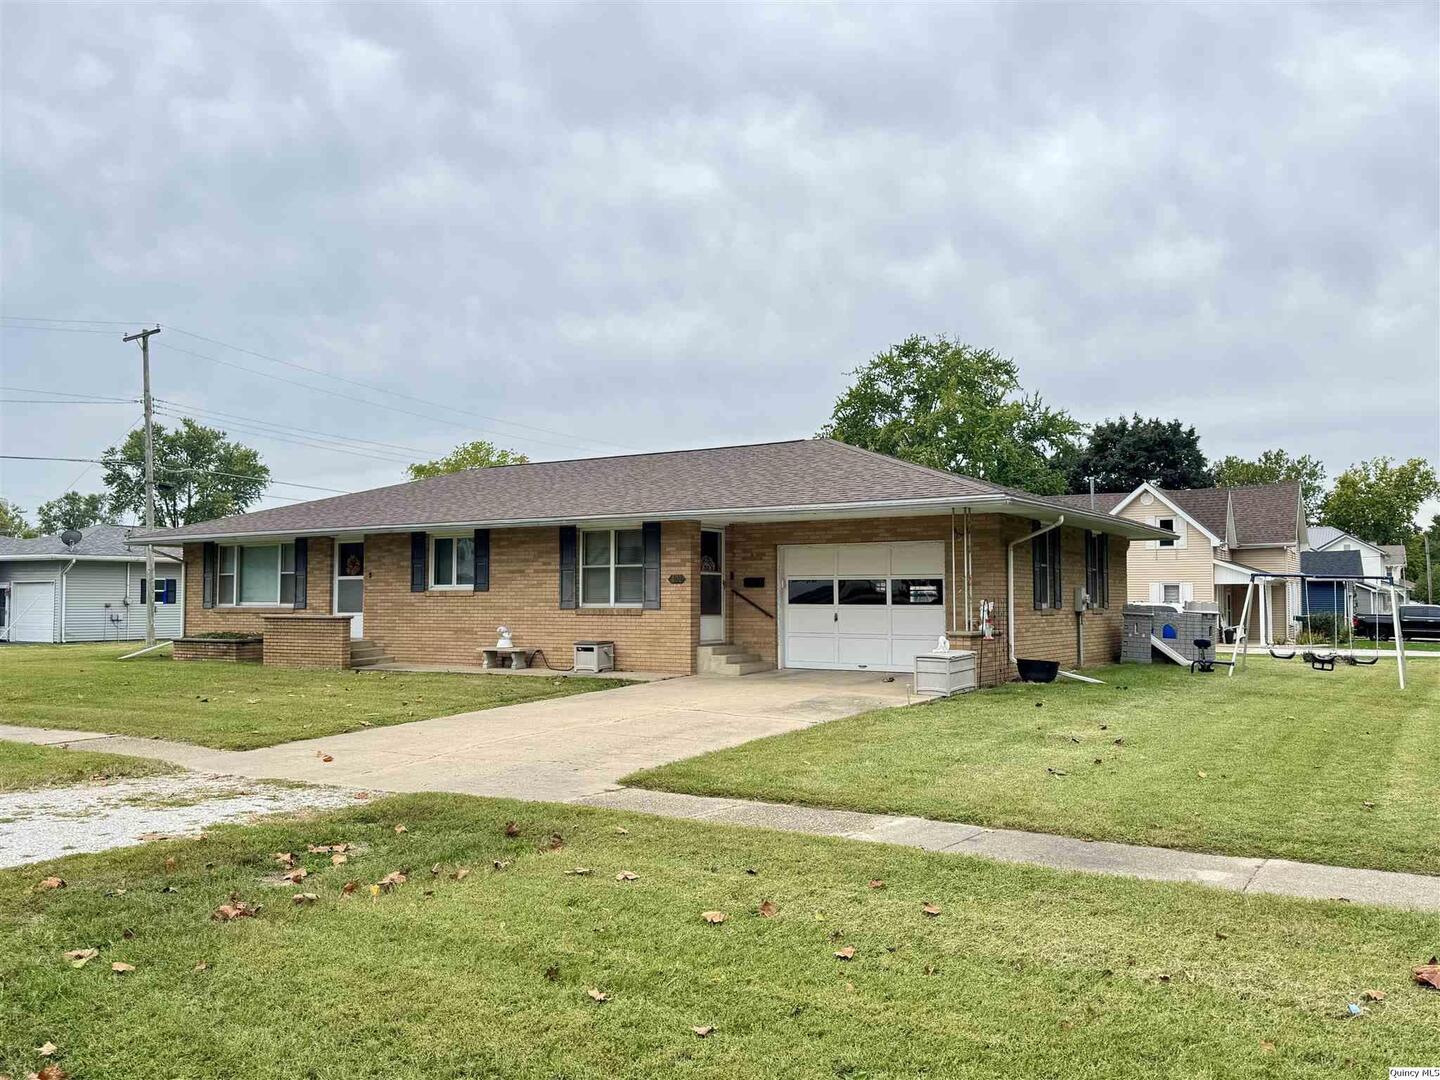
{"points": [[166, 591], [227, 575], [612, 567], [810, 591], [855, 591], [917, 591], [1045, 569], [1167, 523], [1170, 594], [257, 575], [452, 562]]}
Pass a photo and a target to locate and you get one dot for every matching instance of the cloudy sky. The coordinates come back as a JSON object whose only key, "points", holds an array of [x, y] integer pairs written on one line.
{"points": [[593, 228]]}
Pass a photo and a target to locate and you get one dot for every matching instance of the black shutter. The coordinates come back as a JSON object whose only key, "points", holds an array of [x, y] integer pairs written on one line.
{"points": [[650, 531], [419, 573], [482, 560], [1038, 579], [302, 571], [569, 573], [1056, 586], [209, 557], [143, 590]]}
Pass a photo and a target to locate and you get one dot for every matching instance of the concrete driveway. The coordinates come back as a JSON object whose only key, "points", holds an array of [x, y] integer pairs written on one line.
{"points": [[559, 749]]}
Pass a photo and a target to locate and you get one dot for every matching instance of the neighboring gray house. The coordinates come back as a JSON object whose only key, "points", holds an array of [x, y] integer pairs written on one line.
{"points": [[93, 590]]}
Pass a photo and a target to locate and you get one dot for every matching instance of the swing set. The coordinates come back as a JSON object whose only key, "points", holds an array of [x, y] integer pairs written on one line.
{"points": [[1321, 660]]}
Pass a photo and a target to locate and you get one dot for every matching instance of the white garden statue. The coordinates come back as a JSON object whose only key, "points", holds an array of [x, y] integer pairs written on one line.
{"points": [[505, 642]]}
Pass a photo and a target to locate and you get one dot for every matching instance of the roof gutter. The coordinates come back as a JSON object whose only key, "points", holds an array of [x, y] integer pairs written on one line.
{"points": [[60, 557], [1010, 579], [998, 503]]}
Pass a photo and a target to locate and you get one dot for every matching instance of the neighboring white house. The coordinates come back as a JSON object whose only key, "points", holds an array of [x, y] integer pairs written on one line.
{"points": [[92, 590], [1377, 561]]}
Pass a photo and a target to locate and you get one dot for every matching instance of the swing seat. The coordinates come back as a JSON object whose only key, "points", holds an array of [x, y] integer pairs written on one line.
{"points": [[1320, 661], [1279, 655], [1356, 661]]}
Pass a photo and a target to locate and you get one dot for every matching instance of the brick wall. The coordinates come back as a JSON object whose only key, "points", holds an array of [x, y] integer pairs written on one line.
{"points": [[1048, 635], [303, 640], [227, 650], [451, 626], [320, 556]]}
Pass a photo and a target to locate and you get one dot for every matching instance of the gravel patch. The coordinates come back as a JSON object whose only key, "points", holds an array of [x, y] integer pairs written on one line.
{"points": [[47, 823]]}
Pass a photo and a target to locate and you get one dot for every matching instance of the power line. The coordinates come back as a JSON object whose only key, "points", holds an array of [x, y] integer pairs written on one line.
{"points": [[58, 329], [252, 432], [393, 393], [92, 322], [171, 468], [297, 430], [63, 393], [60, 401]]}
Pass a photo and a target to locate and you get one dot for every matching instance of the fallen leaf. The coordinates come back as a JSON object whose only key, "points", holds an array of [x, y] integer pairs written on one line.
{"points": [[400, 829], [1202, 774], [626, 875], [1373, 995], [51, 883], [714, 918], [1266, 1046], [1368, 805], [1429, 974], [620, 830], [392, 879], [931, 909], [847, 953], [461, 873], [235, 909], [305, 898], [512, 829], [597, 994], [171, 864], [1056, 772], [285, 858], [51, 1072], [556, 842], [362, 794], [501, 864], [201, 966], [580, 871], [768, 910], [80, 957], [876, 883], [46, 1049], [339, 859], [374, 891], [703, 1030], [552, 973], [349, 887], [298, 875], [120, 967], [435, 870]]}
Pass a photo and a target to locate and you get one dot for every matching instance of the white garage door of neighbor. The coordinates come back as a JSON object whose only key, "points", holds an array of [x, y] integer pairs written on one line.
{"points": [[861, 606], [32, 611]]}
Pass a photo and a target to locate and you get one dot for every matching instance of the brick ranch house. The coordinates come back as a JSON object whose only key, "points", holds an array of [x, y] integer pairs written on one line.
{"points": [[801, 554]]}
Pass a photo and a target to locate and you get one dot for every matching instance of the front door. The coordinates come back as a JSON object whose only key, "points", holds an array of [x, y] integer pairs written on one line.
{"points": [[712, 586], [350, 583]]}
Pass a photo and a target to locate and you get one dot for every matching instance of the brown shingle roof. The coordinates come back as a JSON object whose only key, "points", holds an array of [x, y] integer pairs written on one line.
{"points": [[798, 474], [1264, 513]]}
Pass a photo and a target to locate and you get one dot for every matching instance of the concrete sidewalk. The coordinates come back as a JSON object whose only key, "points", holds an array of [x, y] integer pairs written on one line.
{"points": [[1313, 881]]}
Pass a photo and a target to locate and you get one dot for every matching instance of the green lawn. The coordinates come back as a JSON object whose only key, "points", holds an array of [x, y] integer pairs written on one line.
{"points": [[25, 766], [1336, 767], [238, 706], [1024, 972]]}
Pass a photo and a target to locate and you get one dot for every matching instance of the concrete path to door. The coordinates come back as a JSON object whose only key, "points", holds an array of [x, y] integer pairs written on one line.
{"points": [[558, 749]]}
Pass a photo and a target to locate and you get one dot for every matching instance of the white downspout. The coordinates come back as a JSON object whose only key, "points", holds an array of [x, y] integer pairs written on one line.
{"points": [[954, 583], [1010, 580], [67, 570], [969, 615]]}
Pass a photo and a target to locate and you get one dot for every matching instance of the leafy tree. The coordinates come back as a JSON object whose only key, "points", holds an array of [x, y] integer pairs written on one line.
{"points": [[1377, 500], [1273, 466], [72, 511], [1122, 454], [199, 475], [12, 521], [950, 406], [472, 455]]}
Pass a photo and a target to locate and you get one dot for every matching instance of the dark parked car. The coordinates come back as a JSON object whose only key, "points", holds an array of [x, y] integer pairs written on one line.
{"points": [[1416, 621]]}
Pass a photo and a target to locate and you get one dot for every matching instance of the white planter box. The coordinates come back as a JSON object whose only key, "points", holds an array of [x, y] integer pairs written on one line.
{"points": [[943, 674]]}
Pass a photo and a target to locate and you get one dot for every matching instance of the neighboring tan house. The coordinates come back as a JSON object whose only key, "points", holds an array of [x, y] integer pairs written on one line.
{"points": [[802, 554], [93, 590], [1222, 537], [1376, 561]]}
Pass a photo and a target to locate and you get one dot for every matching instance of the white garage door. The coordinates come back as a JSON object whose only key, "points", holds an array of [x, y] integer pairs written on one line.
{"points": [[861, 605], [32, 611]]}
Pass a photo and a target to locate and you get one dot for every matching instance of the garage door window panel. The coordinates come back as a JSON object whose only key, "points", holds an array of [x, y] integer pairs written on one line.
{"points": [[811, 591]]}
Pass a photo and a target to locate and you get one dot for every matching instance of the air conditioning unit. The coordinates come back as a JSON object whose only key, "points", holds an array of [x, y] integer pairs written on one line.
{"points": [[595, 656]]}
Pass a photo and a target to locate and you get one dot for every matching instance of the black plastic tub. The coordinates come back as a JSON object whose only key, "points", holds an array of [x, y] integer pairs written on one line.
{"points": [[1037, 670]]}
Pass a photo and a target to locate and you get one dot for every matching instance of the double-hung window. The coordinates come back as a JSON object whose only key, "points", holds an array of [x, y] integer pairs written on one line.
{"points": [[165, 590], [257, 575], [1097, 569], [1045, 568], [1166, 523], [612, 568], [452, 562]]}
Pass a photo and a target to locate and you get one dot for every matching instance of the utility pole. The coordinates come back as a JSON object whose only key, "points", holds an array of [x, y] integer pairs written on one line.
{"points": [[1429, 577], [143, 336]]}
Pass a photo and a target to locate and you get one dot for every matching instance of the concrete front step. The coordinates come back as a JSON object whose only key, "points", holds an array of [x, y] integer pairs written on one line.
{"points": [[364, 653], [369, 661], [727, 660]]}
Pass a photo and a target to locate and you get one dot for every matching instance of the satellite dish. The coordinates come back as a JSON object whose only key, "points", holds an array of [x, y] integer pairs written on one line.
{"points": [[71, 537]]}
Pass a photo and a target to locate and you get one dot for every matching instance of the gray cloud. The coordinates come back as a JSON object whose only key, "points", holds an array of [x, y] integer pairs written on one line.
{"points": [[660, 226]]}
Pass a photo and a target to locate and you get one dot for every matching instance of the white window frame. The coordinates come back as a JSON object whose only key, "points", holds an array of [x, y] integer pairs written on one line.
{"points": [[1179, 592], [455, 584], [279, 576], [1160, 524], [582, 566], [158, 602]]}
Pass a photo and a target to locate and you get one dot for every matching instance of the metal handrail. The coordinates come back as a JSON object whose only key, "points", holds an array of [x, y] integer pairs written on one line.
{"points": [[747, 600]]}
